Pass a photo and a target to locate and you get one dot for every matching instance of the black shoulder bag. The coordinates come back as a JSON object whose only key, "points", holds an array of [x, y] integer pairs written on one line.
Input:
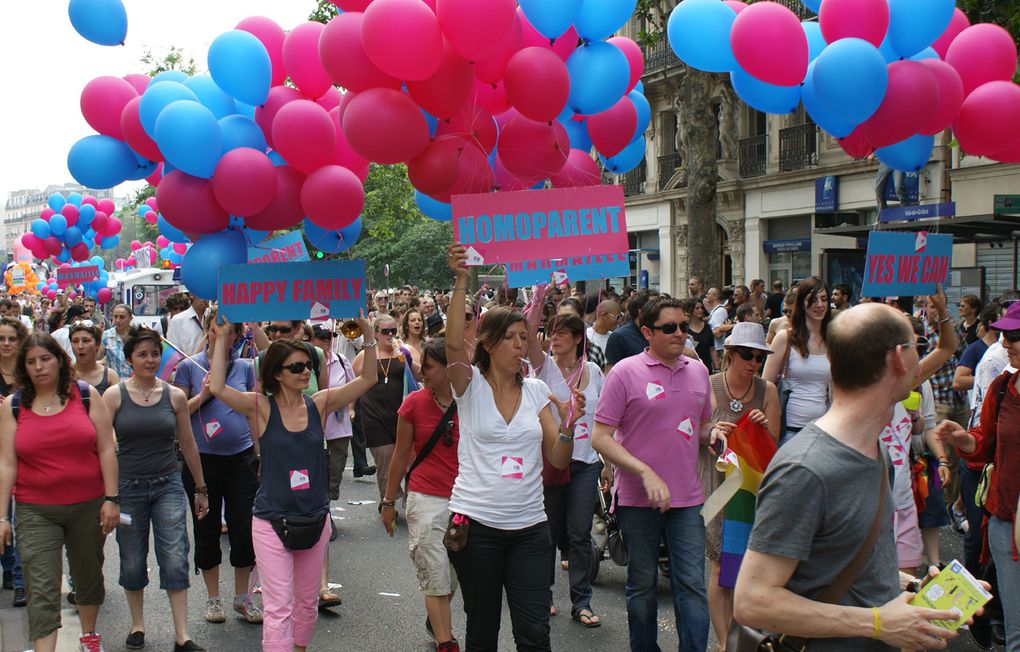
{"points": [[444, 426]]}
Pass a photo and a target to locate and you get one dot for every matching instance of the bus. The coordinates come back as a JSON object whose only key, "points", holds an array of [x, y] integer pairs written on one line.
{"points": [[146, 291]]}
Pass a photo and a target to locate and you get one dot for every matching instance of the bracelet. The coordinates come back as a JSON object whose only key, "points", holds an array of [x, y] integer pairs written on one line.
{"points": [[945, 319], [565, 437], [369, 345], [944, 464], [455, 289], [388, 503], [202, 489], [877, 621]]}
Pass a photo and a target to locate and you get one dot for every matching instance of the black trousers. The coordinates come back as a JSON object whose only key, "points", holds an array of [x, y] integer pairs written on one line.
{"points": [[517, 560], [358, 450], [232, 482]]}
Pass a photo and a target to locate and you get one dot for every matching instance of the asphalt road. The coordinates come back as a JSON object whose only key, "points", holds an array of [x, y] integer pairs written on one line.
{"points": [[382, 610]]}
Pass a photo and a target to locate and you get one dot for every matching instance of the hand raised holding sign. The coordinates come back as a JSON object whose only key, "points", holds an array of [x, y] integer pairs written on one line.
{"points": [[456, 260]]}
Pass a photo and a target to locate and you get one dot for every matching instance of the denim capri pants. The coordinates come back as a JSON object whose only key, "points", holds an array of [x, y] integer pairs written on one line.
{"points": [[162, 503]]}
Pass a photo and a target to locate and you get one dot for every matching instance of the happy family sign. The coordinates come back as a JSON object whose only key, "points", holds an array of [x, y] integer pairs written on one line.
{"points": [[292, 290]]}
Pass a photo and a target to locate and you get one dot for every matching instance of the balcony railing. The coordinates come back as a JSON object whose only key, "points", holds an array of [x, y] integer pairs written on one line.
{"points": [[753, 156], [633, 180], [668, 165], [660, 56], [797, 7], [798, 147]]}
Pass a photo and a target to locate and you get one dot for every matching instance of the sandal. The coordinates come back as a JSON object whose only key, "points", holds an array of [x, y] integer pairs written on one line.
{"points": [[587, 618], [327, 599], [552, 610]]}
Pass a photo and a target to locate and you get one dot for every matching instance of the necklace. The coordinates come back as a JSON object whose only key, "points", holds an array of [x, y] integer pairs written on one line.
{"points": [[443, 406], [145, 394], [386, 370], [736, 404]]}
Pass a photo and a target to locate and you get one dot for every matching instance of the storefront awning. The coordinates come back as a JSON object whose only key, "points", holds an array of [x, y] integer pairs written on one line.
{"points": [[970, 228]]}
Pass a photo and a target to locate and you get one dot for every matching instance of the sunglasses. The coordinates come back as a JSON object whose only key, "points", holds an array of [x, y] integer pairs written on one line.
{"points": [[283, 330], [1012, 336], [448, 434], [298, 367], [751, 354], [388, 331], [670, 327]]}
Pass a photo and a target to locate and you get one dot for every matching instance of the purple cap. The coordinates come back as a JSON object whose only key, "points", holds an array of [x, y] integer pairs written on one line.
{"points": [[1011, 320]]}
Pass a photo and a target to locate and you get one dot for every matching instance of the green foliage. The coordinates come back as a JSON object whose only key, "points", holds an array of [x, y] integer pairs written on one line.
{"points": [[323, 12], [174, 59], [651, 17]]}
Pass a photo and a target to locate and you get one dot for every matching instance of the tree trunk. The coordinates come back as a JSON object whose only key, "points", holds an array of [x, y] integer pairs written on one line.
{"points": [[701, 136]]}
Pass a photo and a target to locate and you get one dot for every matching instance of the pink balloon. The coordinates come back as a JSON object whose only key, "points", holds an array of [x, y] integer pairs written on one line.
{"points": [[343, 153], [301, 59], [107, 206], [132, 261], [563, 46], [987, 118], [285, 211], [189, 204], [505, 181], [51, 294], [47, 213], [31, 241], [332, 197], [635, 57], [135, 245], [769, 43], [910, 100], [161, 241], [70, 213], [352, 5], [151, 203], [279, 96], [384, 125], [244, 181], [474, 174], [537, 83], [138, 81], [113, 227], [470, 26], [1010, 154], [343, 56], [330, 100], [303, 134], [134, 135], [863, 19], [492, 98], [533, 150], [80, 252], [444, 93], [491, 68], [89, 199], [981, 54], [950, 97], [180, 247], [957, 24], [271, 36], [613, 129], [435, 170], [580, 170], [473, 125], [154, 180], [736, 5], [402, 38], [99, 222], [104, 295], [103, 100], [119, 263]]}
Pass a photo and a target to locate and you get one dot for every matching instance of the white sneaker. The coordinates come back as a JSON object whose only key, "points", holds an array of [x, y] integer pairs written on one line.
{"points": [[214, 612]]}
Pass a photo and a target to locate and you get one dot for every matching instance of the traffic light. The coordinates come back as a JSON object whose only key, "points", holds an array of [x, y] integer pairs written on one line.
{"points": [[319, 255]]}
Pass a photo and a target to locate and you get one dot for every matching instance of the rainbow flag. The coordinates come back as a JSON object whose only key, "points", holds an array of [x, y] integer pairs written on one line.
{"points": [[753, 448]]}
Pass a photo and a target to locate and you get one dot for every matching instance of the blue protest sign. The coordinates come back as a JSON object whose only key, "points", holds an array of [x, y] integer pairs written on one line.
{"points": [[292, 290], [290, 247], [906, 264], [574, 268]]}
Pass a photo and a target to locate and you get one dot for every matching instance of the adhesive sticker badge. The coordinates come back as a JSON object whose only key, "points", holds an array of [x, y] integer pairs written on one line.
{"points": [[686, 428], [655, 391], [213, 428], [299, 480], [512, 467]]}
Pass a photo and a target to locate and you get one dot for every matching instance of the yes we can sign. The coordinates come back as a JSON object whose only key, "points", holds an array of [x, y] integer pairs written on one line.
{"points": [[906, 264]]}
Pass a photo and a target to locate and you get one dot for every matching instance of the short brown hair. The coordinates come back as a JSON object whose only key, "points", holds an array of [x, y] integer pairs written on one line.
{"points": [[858, 347], [650, 311], [571, 324], [493, 327], [272, 362]]}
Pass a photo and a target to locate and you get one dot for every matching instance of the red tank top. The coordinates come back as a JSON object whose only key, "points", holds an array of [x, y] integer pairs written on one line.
{"points": [[58, 463]]}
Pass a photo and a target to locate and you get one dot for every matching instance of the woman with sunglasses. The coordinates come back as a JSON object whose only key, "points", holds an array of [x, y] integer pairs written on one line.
{"points": [[424, 415], [12, 333], [85, 340], [507, 424], [700, 332], [736, 391], [293, 496], [377, 408]]}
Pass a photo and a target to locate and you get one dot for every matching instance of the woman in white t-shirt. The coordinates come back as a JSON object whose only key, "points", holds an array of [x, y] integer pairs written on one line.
{"points": [[506, 424]]}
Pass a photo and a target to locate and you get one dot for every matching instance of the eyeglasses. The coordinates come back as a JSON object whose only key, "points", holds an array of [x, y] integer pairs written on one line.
{"points": [[618, 316], [750, 354], [388, 331], [670, 327], [298, 367], [282, 330], [921, 344], [1012, 336]]}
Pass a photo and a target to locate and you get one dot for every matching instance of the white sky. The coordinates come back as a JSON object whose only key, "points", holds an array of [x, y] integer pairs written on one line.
{"points": [[45, 64]]}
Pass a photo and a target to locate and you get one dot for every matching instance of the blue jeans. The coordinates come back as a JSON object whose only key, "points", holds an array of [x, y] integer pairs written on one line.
{"points": [[570, 517], [972, 539], [10, 559], [643, 528], [1000, 542], [163, 503]]}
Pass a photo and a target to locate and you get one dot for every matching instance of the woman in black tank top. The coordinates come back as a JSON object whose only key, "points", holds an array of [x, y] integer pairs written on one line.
{"points": [[295, 471], [85, 338]]}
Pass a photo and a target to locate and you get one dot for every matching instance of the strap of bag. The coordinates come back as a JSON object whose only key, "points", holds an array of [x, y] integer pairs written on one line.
{"points": [[83, 393], [433, 440], [785, 373]]}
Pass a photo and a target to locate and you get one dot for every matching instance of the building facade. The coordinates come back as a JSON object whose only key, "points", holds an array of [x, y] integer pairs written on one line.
{"points": [[23, 206]]}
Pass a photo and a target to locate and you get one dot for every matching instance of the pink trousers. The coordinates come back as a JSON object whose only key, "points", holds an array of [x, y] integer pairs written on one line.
{"points": [[290, 587]]}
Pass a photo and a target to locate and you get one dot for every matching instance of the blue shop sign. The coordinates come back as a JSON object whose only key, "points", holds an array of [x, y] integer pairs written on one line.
{"points": [[920, 212], [787, 246], [827, 194]]}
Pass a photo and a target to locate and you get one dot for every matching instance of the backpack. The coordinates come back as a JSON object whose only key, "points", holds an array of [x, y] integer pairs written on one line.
{"points": [[984, 483], [83, 393]]}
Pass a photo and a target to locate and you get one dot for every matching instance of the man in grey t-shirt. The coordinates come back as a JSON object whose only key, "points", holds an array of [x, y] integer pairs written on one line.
{"points": [[817, 503]]}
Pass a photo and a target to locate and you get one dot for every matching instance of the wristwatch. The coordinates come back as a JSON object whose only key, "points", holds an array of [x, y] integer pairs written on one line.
{"points": [[113, 499]]}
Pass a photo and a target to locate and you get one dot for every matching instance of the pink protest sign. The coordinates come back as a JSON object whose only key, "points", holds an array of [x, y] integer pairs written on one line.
{"points": [[504, 227], [77, 275]]}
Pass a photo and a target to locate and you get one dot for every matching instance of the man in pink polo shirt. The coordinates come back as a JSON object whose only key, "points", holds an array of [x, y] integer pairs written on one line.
{"points": [[658, 404]]}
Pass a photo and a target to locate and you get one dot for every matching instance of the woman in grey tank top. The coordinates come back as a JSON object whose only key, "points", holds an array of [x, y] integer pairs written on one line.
{"points": [[148, 415], [85, 338]]}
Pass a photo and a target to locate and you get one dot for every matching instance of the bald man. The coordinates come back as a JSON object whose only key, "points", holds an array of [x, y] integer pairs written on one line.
{"points": [[607, 317]]}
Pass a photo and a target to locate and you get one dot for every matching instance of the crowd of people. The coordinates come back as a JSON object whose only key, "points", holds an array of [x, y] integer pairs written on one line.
{"points": [[494, 420]]}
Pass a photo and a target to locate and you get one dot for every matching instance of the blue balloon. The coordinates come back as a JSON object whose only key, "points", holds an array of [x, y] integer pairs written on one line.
{"points": [[916, 24], [145, 168], [211, 96], [330, 241], [64, 255], [56, 201], [156, 98], [578, 134], [831, 124], [200, 269], [189, 136], [640, 88], [40, 228], [767, 98], [699, 33], [98, 262], [432, 121], [908, 155], [551, 17], [247, 110], [86, 214], [888, 53], [628, 159], [176, 258], [815, 40], [103, 22], [255, 236], [90, 235], [927, 53], [75, 198], [72, 236], [433, 208], [275, 157], [178, 76], [170, 232], [101, 161], [239, 131], [599, 76], [599, 19], [644, 112], [110, 242], [850, 79], [143, 209], [240, 65]]}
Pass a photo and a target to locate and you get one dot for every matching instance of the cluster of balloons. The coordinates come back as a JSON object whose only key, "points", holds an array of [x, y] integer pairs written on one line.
{"points": [[67, 229], [103, 22], [882, 76]]}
